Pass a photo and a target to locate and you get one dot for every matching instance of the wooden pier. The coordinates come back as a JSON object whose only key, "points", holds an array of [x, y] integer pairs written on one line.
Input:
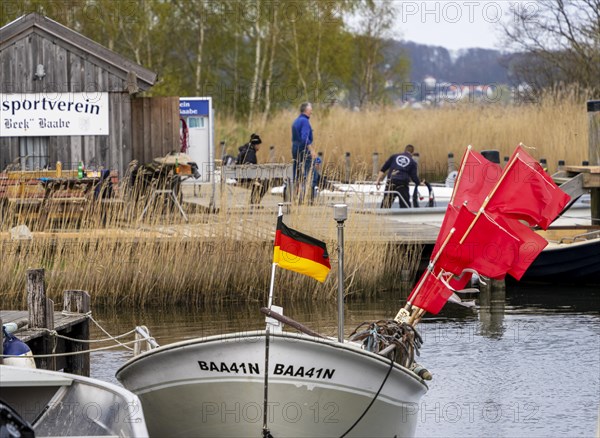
{"points": [[43, 324]]}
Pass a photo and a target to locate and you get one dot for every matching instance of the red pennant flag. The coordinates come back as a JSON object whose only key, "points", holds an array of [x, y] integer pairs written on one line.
{"points": [[487, 248], [476, 178], [432, 294], [527, 192], [447, 224], [530, 245]]}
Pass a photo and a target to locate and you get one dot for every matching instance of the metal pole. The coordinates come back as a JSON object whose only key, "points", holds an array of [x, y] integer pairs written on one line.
{"points": [[340, 214]]}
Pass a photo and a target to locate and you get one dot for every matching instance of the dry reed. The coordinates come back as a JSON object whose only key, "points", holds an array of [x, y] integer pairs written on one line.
{"points": [[215, 258], [557, 128], [124, 261]]}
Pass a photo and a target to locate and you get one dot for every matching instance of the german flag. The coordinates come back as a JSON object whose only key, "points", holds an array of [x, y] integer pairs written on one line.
{"points": [[300, 253]]}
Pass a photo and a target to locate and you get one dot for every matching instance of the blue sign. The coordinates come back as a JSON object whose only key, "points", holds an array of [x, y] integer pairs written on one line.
{"points": [[193, 107]]}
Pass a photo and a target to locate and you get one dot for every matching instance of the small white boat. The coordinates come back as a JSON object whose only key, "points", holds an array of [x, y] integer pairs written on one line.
{"points": [[215, 387], [61, 404], [368, 195]]}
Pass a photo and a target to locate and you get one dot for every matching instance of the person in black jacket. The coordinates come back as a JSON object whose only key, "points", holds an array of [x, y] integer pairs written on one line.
{"points": [[248, 151], [400, 169], [247, 155]]}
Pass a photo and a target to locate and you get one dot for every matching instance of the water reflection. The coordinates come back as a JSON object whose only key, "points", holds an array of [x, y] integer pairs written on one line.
{"points": [[492, 299]]}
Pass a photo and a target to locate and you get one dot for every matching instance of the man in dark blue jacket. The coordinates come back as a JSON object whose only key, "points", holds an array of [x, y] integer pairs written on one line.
{"points": [[400, 169], [302, 150]]}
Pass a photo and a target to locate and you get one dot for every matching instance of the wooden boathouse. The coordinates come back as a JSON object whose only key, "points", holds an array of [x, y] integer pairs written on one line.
{"points": [[65, 98]]}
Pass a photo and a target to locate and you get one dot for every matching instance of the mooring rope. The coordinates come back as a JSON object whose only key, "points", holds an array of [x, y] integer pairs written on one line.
{"points": [[72, 353], [109, 336]]}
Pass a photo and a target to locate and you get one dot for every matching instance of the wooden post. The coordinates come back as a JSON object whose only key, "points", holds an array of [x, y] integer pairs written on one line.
{"points": [[271, 154], [593, 108], [375, 165], [347, 179], [492, 293], [1, 341], [492, 298], [41, 315], [451, 164], [223, 148], [79, 363]]}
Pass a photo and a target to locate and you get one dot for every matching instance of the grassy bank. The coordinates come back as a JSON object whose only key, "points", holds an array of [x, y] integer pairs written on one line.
{"points": [[556, 128]]}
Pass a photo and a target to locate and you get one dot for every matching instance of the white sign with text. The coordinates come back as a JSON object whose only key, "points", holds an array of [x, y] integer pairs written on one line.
{"points": [[53, 114]]}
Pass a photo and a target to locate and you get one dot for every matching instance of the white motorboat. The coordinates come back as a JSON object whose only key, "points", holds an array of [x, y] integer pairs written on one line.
{"points": [[368, 195], [60, 404], [215, 387]]}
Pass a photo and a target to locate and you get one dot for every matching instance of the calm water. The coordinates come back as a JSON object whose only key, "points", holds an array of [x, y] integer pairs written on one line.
{"points": [[529, 367]]}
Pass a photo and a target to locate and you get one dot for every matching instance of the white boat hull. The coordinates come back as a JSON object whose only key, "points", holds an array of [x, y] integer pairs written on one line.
{"points": [[214, 387], [62, 404]]}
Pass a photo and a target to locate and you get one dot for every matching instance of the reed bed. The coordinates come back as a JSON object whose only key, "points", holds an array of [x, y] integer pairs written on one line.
{"points": [[159, 260], [215, 258], [557, 127]]}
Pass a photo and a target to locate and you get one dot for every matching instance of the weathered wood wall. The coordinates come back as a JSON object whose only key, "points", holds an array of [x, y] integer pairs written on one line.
{"points": [[155, 127], [72, 69]]}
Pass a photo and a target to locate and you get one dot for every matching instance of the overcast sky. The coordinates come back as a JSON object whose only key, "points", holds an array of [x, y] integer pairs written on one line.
{"points": [[456, 24]]}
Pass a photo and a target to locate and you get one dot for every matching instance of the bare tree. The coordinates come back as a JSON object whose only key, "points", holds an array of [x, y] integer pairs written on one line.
{"points": [[561, 40], [376, 20]]}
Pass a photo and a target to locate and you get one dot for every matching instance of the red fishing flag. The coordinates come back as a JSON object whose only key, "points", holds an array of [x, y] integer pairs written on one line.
{"points": [[434, 292], [477, 176], [530, 245], [486, 246], [527, 192], [447, 224], [301, 253], [431, 295]]}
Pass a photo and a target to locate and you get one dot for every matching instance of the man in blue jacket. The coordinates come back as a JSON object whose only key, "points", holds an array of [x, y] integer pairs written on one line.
{"points": [[302, 150], [400, 169]]}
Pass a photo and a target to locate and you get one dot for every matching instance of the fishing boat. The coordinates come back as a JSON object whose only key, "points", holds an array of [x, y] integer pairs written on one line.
{"points": [[572, 256], [50, 403], [317, 387], [281, 383]]}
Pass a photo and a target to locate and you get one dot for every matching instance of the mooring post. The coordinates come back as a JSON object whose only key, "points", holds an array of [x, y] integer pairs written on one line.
{"points": [[375, 165], [1, 341], [451, 164], [41, 315], [593, 109], [78, 301], [347, 157], [493, 292], [272, 154]]}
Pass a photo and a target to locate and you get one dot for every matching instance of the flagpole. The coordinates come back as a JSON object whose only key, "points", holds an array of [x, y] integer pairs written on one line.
{"points": [[460, 173], [272, 285], [265, 431], [404, 311]]}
